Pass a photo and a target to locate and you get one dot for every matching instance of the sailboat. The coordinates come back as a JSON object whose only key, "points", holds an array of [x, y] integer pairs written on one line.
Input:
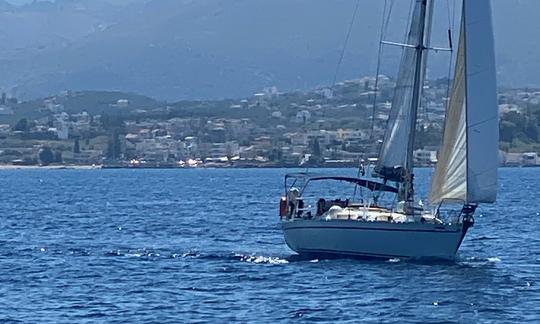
{"points": [[388, 221]]}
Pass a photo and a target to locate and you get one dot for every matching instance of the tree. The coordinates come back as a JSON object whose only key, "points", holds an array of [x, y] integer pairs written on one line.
{"points": [[22, 125], [531, 130], [46, 156], [507, 131], [109, 121], [76, 147], [316, 154], [105, 120], [276, 155], [58, 157], [316, 148], [114, 147]]}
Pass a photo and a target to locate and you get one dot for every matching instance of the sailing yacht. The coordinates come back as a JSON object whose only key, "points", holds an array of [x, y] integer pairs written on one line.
{"points": [[388, 221]]}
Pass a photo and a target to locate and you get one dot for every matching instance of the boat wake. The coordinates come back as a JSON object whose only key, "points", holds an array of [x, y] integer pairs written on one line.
{"points": [[394, 260], [256, 258], [193, 254], [260, 259], [478, 261]]}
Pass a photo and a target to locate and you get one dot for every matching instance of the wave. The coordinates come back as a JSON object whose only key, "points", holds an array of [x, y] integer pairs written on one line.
{"points": [[494, 259], [193, 254], [483, 238], [478, 261], [261, 259], [254, 258]]}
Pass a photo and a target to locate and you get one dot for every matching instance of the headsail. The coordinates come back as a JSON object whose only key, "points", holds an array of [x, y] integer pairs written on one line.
{"points": [[468, 158]]}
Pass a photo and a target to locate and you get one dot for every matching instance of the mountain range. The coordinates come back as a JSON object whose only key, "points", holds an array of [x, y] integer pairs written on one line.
{"points": [[207, 49]]}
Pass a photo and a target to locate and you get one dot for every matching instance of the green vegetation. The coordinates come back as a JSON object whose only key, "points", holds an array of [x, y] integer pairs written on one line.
{"points": [[92, 102], [520, 132]]}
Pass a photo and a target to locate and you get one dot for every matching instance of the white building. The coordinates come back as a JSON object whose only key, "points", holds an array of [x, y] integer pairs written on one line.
{"points": [[6, 110], [425, 157], [529, 159], [303, 116]]}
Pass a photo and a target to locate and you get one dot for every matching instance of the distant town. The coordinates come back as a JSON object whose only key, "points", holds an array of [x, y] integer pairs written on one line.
{"points": [[336, 127]]}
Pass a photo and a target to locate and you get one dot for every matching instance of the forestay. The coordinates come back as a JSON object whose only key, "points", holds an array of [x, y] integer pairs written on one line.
{"points": [[468, 159]]}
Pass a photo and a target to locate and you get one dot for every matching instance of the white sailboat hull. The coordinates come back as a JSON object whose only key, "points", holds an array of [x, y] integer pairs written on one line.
{"points": [[374, 239]]}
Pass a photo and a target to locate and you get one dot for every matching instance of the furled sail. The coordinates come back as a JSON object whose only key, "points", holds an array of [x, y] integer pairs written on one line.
{"points": [[395, 146], [468, 159]]}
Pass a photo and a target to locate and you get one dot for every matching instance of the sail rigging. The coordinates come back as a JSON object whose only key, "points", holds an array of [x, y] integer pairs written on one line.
{"points": [[468, 158]]}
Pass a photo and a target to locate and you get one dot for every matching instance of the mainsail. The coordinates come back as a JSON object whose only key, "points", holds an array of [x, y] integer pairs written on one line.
{"points": [[395, 157], [468, 159]]}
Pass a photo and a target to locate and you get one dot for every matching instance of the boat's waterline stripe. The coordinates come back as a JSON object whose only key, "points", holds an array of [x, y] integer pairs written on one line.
{"points": [[351, 253], [371, 255], [286, 228]]}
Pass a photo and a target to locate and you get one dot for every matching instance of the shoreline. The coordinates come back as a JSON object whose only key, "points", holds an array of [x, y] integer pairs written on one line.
{"points": [[49, 167], [102, 167]]}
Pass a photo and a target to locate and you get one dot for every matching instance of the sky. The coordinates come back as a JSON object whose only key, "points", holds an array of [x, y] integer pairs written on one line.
{"points": [[213, 52], [19, 2]]}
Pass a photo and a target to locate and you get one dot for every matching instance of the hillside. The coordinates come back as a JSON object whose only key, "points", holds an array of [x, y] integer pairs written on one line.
{"points": [[92, 102], [184, 49]]}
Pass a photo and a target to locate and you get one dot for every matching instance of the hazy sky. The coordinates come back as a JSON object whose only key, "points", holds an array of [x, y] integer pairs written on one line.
{"points": [[20, 2], [289, 43], [17, 2]]}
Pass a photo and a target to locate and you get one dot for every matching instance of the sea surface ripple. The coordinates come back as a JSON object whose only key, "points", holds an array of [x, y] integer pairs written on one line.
{"points": [[197, 245]]}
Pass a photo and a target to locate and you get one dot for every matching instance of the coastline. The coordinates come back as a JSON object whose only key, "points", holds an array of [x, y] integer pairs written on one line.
{"points": [[100, 167], [49, 167]]}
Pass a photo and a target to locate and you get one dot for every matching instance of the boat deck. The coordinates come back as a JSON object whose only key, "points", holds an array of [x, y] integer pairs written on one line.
{"points": [[376, 214]]}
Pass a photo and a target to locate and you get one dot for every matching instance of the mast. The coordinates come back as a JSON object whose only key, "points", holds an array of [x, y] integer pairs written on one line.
{"points": [[416, 96], [395, 162]]}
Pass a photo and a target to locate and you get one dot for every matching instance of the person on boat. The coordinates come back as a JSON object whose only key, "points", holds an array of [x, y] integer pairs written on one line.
{"points": [[293, 202], [362, 169], [321, 206]]}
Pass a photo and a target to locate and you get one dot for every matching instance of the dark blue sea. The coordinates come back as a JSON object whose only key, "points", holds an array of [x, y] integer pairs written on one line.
{"points": [[172, 246]]}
